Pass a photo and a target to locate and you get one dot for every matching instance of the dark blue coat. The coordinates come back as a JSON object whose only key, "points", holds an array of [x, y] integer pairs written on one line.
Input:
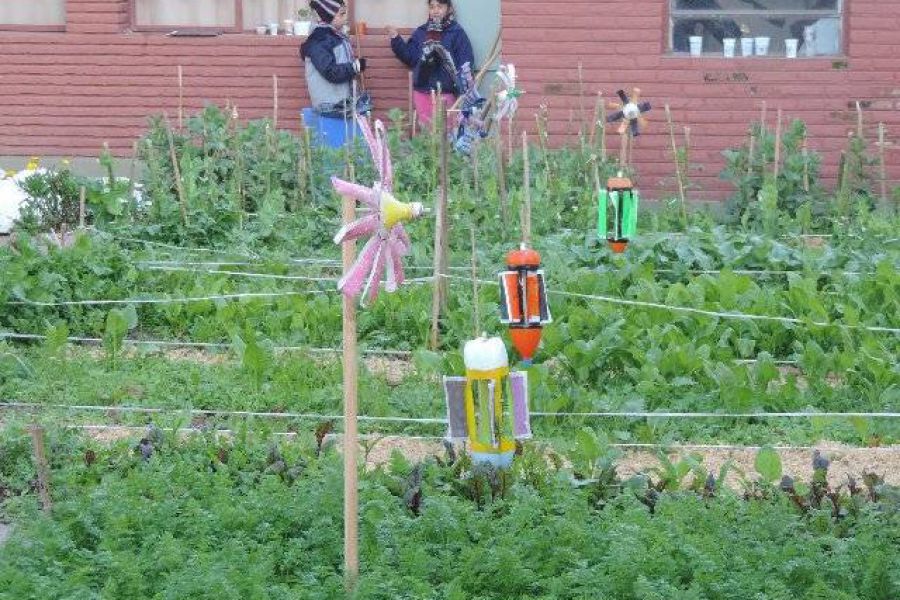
{"points": [[454, 39], [319, 48]]}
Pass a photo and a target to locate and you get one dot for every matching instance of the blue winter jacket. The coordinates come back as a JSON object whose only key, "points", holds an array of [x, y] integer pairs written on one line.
{"points": [[454, 39]]}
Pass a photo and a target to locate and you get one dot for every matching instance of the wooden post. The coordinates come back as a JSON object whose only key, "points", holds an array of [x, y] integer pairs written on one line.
{"points": [[81, 195], [40, 462], [882, 170], [677, 159], [476, 317], [179, 185], [351, 499], [762, 121], [440, 239], [598, 106], [778, 145], [603, 130], [526, 192], [509, 142], [274, 102], [180, 97], [750, 153], [581, 108], [859, 121]]}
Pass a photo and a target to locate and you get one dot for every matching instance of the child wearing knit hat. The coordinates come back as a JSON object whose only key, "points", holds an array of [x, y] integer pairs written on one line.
{"points": [[330, 63], [436, 52]]}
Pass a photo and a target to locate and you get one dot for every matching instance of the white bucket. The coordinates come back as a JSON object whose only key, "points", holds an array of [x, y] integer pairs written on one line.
{"points": [[747, 46], [728, 45], [302, 27], [696, 45], [790, 48], [762, 46]]}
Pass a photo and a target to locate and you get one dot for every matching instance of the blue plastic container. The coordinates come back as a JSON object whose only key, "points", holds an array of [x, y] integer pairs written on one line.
{"points": [[333, 132]]}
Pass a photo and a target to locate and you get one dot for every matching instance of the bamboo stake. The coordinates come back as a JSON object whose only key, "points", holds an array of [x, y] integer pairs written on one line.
{"points": [[180, 97], [750, 153], [581, 108], [179, 185], [132, 169], [476, 185], [804, 149], [526, 195], [476, 317], [859, 121], [43, 471], [274, 102], [509, 142], [676, 158], [777, 168], [501, 179], [411, 111], [602, 124], [440, 244], [415, 119], [598, 106], [882, 170], [81, 194], [350, 358], [623, 150], [762, 120]]}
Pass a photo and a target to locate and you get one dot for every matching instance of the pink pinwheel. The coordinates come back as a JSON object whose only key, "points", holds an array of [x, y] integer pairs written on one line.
{"points": [[388, 243]]}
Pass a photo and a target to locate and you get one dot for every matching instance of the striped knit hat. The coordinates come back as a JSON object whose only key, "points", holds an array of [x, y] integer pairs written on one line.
{"points": [[326, 9]]}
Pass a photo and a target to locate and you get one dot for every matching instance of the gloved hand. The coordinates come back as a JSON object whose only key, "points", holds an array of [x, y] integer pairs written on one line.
{"points": [[361, 65]]}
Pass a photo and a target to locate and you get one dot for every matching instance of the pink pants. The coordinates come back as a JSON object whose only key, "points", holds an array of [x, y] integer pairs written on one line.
{"points": [[425, 109]]}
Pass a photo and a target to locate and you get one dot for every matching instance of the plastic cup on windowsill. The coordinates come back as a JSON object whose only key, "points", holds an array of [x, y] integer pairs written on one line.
{"points": [[728, 45], [746, 46], [261, 30], [762, 46], [696, 45], [273, 28]]}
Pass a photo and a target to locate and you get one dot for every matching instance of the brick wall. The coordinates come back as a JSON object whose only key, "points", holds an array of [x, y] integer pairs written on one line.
{"points": [[68, 93], [621, 43]]}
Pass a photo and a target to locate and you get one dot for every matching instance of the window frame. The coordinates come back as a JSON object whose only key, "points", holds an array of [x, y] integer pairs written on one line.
{"points": [[238, 26], [669, 36], [38, 28]]}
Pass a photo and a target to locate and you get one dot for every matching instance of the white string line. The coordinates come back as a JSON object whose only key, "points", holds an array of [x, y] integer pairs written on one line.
{"points": [[432, 420], [323, 263], [169, 300], [207, 345], [243, 274], [698, 311], [763, 272], [208, 413]]}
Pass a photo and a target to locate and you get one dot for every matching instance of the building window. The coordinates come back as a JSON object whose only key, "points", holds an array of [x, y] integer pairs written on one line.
{"points": [[397, 13], [33, 14], [224, 15], [772, 24]]}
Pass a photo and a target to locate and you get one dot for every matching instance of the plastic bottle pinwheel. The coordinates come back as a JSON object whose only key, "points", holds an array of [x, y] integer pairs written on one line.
{"points": [[472, 122], [508, 96], [630, 112], [382, 256]]}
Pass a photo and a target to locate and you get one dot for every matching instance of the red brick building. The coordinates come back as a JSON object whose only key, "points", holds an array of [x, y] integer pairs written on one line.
{"points": [[85, 72]]}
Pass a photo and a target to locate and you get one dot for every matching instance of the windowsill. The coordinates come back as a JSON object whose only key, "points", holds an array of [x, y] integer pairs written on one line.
{"points": [[719, 57]]}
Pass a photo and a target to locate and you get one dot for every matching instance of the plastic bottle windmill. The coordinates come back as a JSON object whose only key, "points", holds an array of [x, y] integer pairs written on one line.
{"points": [[523, 301], [509, 94], [388, 242], [489, 406], [620, 194]]}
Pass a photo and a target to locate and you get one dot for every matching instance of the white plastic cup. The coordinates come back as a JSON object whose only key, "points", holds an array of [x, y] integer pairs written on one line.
{"points": [[790, 48], [728, 45], [696, 42], [301, 27], [746, 46], [273, 28], [762, 46], [288, 27], [262, 30]]}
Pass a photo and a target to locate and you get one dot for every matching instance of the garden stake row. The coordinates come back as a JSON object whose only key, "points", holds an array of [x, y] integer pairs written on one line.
{"points": [[679, 177]]}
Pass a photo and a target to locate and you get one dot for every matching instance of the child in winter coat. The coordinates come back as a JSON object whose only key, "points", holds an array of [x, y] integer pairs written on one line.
{"points": [[436, 52], [330, 65]]}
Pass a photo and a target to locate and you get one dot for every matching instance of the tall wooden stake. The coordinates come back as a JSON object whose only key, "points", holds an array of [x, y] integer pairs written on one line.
{"points": [[476, 317], [501, 177], [440, 238], [804, 149], [411, 111], [81, 195], [882, 170], [180, 97], [351, 499], [778, 144], [677, 159], [274, 103], [859, 121], [43, 471], [598, 106], [176, 170], [526, 195]]}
